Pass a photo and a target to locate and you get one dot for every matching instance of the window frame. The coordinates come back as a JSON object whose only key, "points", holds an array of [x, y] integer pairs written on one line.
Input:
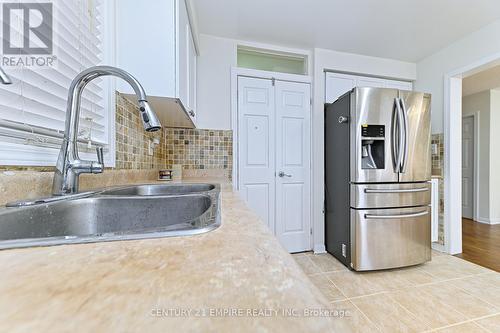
{"points": [[14, 147]]}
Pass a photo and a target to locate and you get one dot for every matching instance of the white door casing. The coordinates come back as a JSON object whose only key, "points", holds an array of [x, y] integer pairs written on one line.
{"points": [[256, 146], [293, 188], [274, 133], [468, 167]]}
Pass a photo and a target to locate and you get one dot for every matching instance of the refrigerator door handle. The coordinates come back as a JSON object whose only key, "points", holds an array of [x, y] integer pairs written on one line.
{"points": [[389, 217], [404, 160], [394, 148], [408, 190], [397, 129]]}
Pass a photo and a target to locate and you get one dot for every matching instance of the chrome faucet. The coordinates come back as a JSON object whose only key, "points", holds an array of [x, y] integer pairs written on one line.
{"points": [[69, 166], [4, 78]]}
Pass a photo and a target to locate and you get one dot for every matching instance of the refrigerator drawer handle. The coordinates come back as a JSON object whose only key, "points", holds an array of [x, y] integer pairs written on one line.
{"points": [[388, 217], [410, 190]]}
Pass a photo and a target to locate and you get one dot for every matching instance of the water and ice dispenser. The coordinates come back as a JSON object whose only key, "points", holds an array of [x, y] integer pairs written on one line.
{"points": [[372, 146]]}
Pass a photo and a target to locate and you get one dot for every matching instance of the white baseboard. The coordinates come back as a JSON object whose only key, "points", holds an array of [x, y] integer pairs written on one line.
{"points": [[319, 248], [495, 221], [438, 247], [488, 221]]}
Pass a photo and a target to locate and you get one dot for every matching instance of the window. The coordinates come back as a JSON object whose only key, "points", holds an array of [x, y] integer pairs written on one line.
{"points": [[33, 109], [271, 61]]}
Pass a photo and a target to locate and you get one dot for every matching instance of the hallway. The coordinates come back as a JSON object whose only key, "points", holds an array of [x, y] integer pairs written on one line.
{"points": [[481, 244]]}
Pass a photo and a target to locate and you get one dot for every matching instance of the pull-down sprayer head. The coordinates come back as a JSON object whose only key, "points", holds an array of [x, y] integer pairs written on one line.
{"points": [[149, 119]]}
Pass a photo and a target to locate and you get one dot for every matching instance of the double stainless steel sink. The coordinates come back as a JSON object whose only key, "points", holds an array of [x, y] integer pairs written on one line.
{"points": [[123, 213]]}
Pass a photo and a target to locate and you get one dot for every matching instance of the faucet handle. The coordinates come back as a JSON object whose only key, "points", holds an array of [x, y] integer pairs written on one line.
{"points": [[98, 167], [100, 155]]}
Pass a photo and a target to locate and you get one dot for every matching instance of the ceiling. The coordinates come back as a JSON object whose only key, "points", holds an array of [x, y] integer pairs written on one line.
{"points": [[407, 30], [485, 80]]}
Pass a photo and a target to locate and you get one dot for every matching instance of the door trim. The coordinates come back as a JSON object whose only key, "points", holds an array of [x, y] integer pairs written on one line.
{"points": [[258, 74], [452, 125], [476, 117]]}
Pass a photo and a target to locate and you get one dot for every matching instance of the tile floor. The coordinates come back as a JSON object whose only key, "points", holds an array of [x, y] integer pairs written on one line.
{"points": [[447, 294]]}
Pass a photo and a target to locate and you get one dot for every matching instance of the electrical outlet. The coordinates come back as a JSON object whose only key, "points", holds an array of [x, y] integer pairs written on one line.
{"points": [[150, 148], [344, 251], [434, 149]]}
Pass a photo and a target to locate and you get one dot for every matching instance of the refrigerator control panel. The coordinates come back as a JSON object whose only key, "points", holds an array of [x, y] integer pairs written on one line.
{"points": [[373, 131], [372, 147]]}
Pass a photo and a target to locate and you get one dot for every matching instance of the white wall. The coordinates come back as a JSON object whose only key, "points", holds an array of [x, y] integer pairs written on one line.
{"points": [[343, 62], [480, 103], [216, 57], [431, 70]]}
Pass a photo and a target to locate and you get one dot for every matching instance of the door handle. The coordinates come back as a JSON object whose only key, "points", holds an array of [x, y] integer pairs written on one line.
{"points": [[401, 138], [283, 174], [100, 155], [397, 136], [409, 190], [404, 160], [392, 217]]}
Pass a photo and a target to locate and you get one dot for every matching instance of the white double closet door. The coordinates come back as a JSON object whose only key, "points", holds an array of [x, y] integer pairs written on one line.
{"points": [[274, 133]]}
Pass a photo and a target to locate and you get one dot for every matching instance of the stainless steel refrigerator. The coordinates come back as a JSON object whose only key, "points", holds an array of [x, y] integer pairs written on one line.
{"points": [[377, 172]]}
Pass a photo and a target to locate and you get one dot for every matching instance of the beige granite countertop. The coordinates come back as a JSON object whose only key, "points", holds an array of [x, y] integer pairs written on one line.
{"points": [[163, 285]]}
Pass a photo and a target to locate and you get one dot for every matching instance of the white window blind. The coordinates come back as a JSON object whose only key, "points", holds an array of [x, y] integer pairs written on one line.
{"points": [[33, 109]]}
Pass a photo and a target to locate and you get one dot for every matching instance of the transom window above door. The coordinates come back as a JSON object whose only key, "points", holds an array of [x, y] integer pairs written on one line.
{"points": [[272, 61]]}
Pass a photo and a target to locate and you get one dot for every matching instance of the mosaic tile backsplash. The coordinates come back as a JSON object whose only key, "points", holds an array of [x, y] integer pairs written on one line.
{"points": [[438, 171], [438, 159], [194, 149], [199, 149], [132, 141]]}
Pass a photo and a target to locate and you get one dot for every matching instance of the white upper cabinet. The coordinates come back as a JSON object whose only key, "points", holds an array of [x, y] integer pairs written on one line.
{"points": [[183, 31], [337, 84], [192, 78], [154, 42]]}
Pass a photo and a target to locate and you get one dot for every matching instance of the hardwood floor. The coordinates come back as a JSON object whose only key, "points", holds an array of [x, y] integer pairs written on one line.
{"points": [[481, 244]]}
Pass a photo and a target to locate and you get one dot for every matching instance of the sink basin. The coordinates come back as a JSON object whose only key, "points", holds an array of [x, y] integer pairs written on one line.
{"points": [[160, 189], [99, 217]]}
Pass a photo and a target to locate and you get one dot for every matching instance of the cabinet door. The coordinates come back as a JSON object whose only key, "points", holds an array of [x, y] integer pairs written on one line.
{"points": [[183, 35], [337, 84], [401, 85], [133, 46], [192, 78], [372, 82]]}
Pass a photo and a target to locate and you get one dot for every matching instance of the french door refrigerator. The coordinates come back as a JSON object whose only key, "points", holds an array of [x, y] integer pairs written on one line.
{"points": [[377, 172]]}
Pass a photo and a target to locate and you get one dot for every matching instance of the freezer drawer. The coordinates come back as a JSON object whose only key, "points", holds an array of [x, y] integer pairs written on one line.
{"points": [[370, 196], [390, 238]]}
